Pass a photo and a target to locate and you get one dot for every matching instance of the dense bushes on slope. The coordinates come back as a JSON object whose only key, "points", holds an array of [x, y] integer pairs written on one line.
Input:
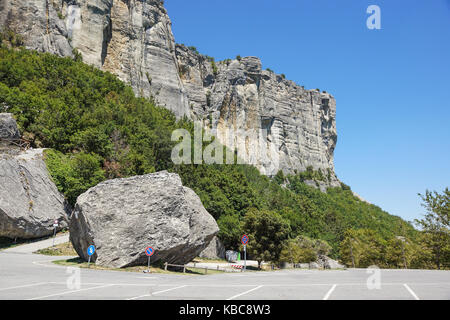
{"points": [[99, 130]]}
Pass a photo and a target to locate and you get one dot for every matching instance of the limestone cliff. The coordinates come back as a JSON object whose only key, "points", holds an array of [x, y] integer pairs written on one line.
{"points": [[238, 94], [130, 38], [133, 39]]}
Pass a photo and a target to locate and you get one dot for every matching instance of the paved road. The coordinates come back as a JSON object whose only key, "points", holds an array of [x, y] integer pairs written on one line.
{"points": [[26, 276], [38, 245]]}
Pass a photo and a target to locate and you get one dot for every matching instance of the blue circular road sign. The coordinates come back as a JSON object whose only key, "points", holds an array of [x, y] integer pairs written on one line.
{"points": [[149, 251], [244, 239], [91, 250]]}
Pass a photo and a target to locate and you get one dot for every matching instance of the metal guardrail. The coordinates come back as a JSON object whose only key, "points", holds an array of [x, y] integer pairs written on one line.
{"points": [[184, 266]]}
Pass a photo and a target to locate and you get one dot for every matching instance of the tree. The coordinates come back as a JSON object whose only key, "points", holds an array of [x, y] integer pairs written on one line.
{"points": [[347, 248], [399, 252], [267, 231], [230, 231], [74, 174], [362, 248], [436, 225], [421, 254], [279, 177], [309, 248], [321, 247], [291, 252], [299, 250]]}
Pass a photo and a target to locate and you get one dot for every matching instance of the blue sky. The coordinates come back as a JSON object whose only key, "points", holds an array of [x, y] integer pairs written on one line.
{"points": [[392, 85]]}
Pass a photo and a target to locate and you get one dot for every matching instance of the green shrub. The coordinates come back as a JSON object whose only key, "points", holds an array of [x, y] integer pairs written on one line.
{"points": [[74, 174]]}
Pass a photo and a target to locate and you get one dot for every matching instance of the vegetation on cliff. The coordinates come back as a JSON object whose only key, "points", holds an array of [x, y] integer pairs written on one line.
{"points": [[97, 129]]}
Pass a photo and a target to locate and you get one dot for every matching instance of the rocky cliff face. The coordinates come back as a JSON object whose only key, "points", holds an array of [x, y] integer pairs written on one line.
{"points": [[38, 23], [298, 124], [130, 38], [292, 127]]}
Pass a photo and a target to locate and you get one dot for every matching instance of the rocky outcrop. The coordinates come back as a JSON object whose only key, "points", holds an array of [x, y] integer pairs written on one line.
{"points": [[326, 262], [122, 217], [298, 124], [360, 198], [8, 127], [29, 200], [38, 23], [290, 128], [322, 262], [132, 39], [215, 250]]}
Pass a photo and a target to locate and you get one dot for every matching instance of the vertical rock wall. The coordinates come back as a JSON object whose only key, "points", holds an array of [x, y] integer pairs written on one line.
{"points": [[300, 124]]}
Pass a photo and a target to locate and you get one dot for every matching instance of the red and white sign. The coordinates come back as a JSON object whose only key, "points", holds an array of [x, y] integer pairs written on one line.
{"points": [[149, 251]]}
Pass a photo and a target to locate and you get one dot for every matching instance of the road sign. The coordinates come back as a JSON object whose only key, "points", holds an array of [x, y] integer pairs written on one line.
{"points": [[244, 239], [149, 251], [55, 225], [90, 250]]}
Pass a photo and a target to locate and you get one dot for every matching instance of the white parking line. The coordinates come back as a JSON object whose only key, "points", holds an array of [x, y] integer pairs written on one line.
{"points": [[410, 291], [45, 264], [69, 292], [157, 292], [243, 293], [24, 286], [329, 292]]}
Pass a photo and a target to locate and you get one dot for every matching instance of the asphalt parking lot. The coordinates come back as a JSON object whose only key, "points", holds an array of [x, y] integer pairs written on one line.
{"points": [[35, 277]]}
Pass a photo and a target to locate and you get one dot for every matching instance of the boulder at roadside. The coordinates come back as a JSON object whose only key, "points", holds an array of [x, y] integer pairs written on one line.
{"points": [[122, 217]]}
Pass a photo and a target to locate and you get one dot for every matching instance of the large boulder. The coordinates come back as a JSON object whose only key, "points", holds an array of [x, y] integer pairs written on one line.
{"points": [[29, 200], [122, 217], [8, 127]]}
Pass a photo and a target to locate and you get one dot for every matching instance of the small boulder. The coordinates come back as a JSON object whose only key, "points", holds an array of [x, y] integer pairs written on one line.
{"points": [[8, 127], [328, 263], [122, 217], [231, 256]]}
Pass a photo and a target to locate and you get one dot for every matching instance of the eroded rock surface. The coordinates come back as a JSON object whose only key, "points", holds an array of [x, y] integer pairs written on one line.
{"points": [[122, 217], [8, 127], [215, 250], [237, 94], [131, 39], [29, 199]]}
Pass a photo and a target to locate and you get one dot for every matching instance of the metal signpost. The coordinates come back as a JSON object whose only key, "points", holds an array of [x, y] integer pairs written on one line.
{"points": [[55, 225], [90, 252], [244, 241], [149, 252]]}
